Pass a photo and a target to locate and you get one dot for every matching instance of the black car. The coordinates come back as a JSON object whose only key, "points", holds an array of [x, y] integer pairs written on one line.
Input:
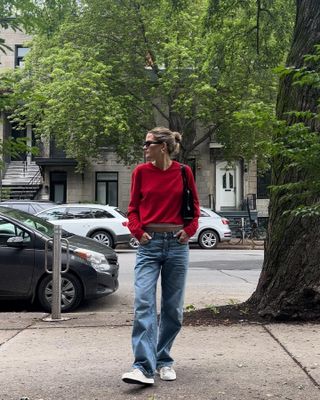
{"points": [[93, 268], [30, 206]]}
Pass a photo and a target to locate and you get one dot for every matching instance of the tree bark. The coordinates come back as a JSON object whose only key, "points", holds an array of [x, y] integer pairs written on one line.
{"points": [[289, 285]]}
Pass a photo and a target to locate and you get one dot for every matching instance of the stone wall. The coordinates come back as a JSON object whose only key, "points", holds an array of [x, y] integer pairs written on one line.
{"points": [[251, 178], [262, 207], [81, 186], [205, 175], [12, 38]]}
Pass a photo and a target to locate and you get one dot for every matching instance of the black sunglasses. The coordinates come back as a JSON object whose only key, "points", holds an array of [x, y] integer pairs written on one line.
{"points": [[149, 142]]}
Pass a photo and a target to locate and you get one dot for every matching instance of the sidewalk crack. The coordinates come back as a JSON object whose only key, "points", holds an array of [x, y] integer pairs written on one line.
{"points": [[234, 276], [304, 369], [16, 334]]}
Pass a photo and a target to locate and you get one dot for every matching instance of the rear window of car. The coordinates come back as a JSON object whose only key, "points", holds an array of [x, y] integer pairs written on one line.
{"points": [[100, 213], [56, 213], [79, 212]]}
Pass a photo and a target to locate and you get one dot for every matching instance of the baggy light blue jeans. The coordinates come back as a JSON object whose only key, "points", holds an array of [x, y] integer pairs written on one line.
{"points": [[151, 342]]}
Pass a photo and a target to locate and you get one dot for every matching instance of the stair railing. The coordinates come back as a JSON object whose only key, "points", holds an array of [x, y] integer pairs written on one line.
{"points": [[36, 180]]}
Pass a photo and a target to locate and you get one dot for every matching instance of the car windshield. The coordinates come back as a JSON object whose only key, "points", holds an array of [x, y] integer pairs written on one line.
{"points": [[34, 222]]}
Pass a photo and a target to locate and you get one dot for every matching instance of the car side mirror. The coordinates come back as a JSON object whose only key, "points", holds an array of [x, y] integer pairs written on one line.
{"points": [[15, 241]]}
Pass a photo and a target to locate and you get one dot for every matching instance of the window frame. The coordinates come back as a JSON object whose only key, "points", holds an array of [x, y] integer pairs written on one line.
{"points": [[97, 180], [19, 59], [263, 181]]}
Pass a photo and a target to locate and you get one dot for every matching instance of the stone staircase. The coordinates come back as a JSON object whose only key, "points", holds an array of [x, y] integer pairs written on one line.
{"points": [[21, 181]]}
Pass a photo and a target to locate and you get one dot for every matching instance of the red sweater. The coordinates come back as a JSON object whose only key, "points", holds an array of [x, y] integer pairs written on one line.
{"points": [[156, 197]]}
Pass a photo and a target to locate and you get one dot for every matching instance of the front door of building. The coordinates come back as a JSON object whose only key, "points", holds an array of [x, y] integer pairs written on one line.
{"points": [[58, 186], [227, 177]]}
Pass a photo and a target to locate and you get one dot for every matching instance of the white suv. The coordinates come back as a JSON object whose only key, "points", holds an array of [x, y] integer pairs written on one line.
{"points": [[212, 230], [103, 223]]}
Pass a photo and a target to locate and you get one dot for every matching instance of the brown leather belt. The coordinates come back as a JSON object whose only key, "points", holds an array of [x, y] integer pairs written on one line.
{"points": [[163, 228]]}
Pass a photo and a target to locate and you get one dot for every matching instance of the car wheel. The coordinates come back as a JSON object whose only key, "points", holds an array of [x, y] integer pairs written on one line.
{"points": [[208, 239], [103, 237], [134, 243], [71, 292]]}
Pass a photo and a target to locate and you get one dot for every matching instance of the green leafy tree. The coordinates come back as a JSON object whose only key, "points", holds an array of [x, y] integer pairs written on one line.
{"points": [[31, 15], [8, 19], [18, 14], [102, 76]]}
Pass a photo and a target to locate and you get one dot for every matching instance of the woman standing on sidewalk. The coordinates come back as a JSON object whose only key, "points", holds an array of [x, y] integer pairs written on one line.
{"points": [[155, 219]]}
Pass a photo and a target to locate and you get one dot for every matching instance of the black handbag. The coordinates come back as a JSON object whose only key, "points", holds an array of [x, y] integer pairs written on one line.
{"points": [[187, 208]]}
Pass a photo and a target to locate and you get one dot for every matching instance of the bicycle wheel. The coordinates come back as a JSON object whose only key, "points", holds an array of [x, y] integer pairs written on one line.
{"points": [[258, 236], [237, 237]]}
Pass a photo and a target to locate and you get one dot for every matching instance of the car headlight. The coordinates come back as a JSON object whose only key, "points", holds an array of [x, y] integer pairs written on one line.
{"points": [[97, 260]]}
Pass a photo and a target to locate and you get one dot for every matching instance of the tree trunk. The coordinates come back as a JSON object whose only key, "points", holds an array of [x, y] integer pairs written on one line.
{"points": [[289, 285], [179, 123]]}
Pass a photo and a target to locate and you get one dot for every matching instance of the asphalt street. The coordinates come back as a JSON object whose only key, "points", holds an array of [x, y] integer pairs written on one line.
{"points": [[232, 273], [215, 277]]}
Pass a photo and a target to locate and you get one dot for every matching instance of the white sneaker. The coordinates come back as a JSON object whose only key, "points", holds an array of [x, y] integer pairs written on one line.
{"points": [[138, 377], [167, 374]]}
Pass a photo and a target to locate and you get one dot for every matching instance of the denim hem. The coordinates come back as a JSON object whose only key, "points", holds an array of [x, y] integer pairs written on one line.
{"points": [[143, 371], [164, 365]]}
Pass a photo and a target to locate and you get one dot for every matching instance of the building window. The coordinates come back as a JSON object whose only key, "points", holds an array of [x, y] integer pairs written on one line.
{"points": [[107, 188], [224, 181], [20, 53], [263, 182]]}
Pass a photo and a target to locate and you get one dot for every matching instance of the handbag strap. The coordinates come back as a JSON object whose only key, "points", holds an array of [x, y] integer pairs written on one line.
{"points": [[184, 177]]}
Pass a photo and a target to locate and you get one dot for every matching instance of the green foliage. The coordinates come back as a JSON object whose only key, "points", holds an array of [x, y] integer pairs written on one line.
{"points": [[244, 310], [298, 147], [103, 70], [300, 150], [15, 147], [5, 193], [34, 15], [7, 82], [190, 307], [214, 309], [46, 16], [233, 302], [7, 20], [250, 131]]}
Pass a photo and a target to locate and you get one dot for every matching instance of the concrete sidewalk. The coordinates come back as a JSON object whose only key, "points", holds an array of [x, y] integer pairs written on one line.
{"points": [[84, 357]]}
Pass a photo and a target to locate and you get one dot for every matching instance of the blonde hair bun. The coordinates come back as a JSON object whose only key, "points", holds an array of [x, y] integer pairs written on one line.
{"points": [[177, 136], [172, 139]]}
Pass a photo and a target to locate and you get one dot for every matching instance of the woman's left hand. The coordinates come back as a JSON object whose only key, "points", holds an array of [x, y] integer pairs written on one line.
{"points": [[182, 236]]}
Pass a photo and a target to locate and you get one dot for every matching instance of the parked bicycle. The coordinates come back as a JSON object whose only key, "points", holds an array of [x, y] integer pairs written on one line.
{"points": [[250, 234]]}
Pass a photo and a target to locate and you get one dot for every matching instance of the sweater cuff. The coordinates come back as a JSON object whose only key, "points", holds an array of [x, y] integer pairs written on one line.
{"points": [[138, 234], [189, 231]]}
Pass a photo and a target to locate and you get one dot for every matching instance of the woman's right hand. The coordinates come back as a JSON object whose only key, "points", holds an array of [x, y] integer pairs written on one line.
{"points": [[145, 238]]}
